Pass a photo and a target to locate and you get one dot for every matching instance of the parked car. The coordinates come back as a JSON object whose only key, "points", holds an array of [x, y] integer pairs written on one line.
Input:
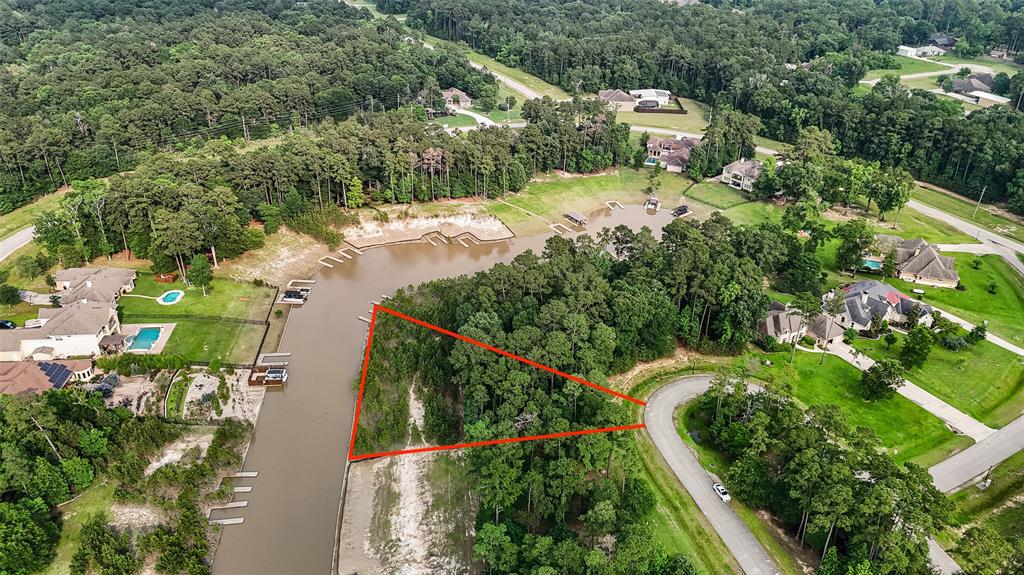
{"points": [[680, 211], [7, 324], [722, 492]]}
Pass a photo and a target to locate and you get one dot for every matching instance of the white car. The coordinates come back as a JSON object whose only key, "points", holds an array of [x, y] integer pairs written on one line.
{"points": [[723, 494]]}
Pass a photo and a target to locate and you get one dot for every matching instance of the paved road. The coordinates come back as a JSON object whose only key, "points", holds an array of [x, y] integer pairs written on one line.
{"points": [[480, 118], [525, 91], [951, 474], [751, 557], [11, 243], [975, 69], [1005, 247]]}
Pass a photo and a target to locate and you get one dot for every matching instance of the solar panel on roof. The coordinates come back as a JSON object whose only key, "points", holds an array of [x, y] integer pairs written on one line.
{"points": [[57, 374]]}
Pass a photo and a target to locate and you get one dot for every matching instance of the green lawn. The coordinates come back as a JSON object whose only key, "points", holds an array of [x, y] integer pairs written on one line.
{"points": [[225, 298], [552, 195], [717, 194], [204, 339], [36, 284], [753, 213], [175, 406], [74, 515], [25, 215], [990, 387], [772, 144], [973, 504], [693, 121], [1004, 310], [963, 208], [997, 65], [910, 432], [913, 224], [513, 115], [456, 121], [906, 66]]}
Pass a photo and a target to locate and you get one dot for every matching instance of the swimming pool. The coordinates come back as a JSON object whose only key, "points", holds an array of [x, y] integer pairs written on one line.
{"points": [[144, 339], [871, 264], [170, 297]]}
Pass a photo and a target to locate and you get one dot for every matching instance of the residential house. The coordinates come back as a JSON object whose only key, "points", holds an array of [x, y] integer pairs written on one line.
{"points": [[617, 100], [920, 51], [659, 96], [74, 330], [741, 174], [973, 83], [987, 100], [782, 324], [866, 299], [916, 261], [672, 154], [826, 330], [456, 98], [93, 284], [37, 377], [1000, 54], [943, 40]]}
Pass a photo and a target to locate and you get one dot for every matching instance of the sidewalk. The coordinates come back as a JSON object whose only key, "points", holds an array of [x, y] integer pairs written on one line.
{"points": [[952, 416]]}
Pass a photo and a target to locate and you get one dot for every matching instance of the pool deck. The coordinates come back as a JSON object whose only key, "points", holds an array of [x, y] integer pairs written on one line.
{"points": [[158, 345]]}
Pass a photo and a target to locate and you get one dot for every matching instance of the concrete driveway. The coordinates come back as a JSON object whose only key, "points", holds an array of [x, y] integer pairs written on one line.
{"points": [[748, 552]]}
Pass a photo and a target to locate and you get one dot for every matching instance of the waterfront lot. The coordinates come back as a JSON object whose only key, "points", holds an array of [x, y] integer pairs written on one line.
{"points": [[989, 386]]}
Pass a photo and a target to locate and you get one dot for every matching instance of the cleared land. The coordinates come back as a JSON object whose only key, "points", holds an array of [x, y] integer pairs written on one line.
{"points": [[1004, 309], [693, 121], [1000, 504], [717, 195], [906, 66], [907, 430], [456, 121], [25, 215], [989, 386], [75, 514], [963, 208]]}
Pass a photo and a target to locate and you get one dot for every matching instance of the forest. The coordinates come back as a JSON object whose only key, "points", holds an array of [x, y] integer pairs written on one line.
{"points": [[589, 307], [739, 57], [202, 199]]}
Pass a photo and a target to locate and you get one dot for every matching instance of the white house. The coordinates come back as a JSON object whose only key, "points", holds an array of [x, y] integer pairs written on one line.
{"points": [[907, 51], [659, 96], [987, 100], [72, 331], [741, 174], [782, 324], [920, 52]]}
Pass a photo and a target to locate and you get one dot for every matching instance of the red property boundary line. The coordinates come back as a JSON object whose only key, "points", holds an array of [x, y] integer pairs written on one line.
{"points": [[362, 385]]}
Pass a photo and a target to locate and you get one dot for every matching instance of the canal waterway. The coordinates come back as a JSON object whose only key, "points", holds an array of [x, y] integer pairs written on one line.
{"points": [[300, 443]]}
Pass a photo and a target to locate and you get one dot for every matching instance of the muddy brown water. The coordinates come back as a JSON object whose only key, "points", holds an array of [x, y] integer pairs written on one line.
{"points": [[301, 440]]}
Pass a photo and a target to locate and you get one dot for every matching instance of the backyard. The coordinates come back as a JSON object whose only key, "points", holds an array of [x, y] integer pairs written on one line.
{"points": [[716, 194], [963, 208], [694, 121], [215, 326], [988, 385], [910, 432], [1004, 309]]}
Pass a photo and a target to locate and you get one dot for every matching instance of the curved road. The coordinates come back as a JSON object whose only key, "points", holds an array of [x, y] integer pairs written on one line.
{"points": [[11, 243], [658, 413]]}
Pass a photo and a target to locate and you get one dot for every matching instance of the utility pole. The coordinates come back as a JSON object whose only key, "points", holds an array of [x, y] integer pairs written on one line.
{"points": [[978, 205]]}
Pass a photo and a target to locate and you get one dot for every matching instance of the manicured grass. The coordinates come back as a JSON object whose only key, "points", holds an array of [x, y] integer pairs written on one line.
{"points": [[175, 406], [456, 121], [973, 504], [963, 208], [552, 195], [927, 83], [907, 430], [990, 387], [717, 194], [912, 224], [36, 284], [772, 144], [907, 66], [25, 215], [225, 298], [693, 121], [513, 115], [74, 515], [753, 213], [205, 340], [997, 66], [20, 313], [1004, 310]]}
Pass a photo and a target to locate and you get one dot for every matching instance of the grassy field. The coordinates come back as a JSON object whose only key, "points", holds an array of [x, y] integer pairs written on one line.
{"points": [[456, 121], [552, 195], [25, 215], [694, 121], [513, 115], [1003, 310], [997, 65], [773, 144], [225, 298], [175, 406], [975, 505], [908, 431], [963, 208], [204, 339], [717, 195], [36, 284], [914, 224], [906, 66], [990, 387], [75, 514]]}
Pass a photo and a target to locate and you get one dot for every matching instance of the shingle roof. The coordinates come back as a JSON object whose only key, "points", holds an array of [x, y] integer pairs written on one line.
{"points": [[93, 284], [614, 96], [747, 168], [780, 322], [32, 377]]}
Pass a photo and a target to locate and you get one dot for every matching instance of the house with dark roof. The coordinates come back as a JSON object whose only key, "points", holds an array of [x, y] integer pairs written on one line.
{"points": [[741, 174], [617, 100], [782, 324], [916, 261], [673, 154], [866, 299], [943, 40]]}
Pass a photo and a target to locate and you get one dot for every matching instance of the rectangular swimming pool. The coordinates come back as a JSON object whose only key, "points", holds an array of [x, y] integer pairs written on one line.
{"points": [[144, 339]]}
